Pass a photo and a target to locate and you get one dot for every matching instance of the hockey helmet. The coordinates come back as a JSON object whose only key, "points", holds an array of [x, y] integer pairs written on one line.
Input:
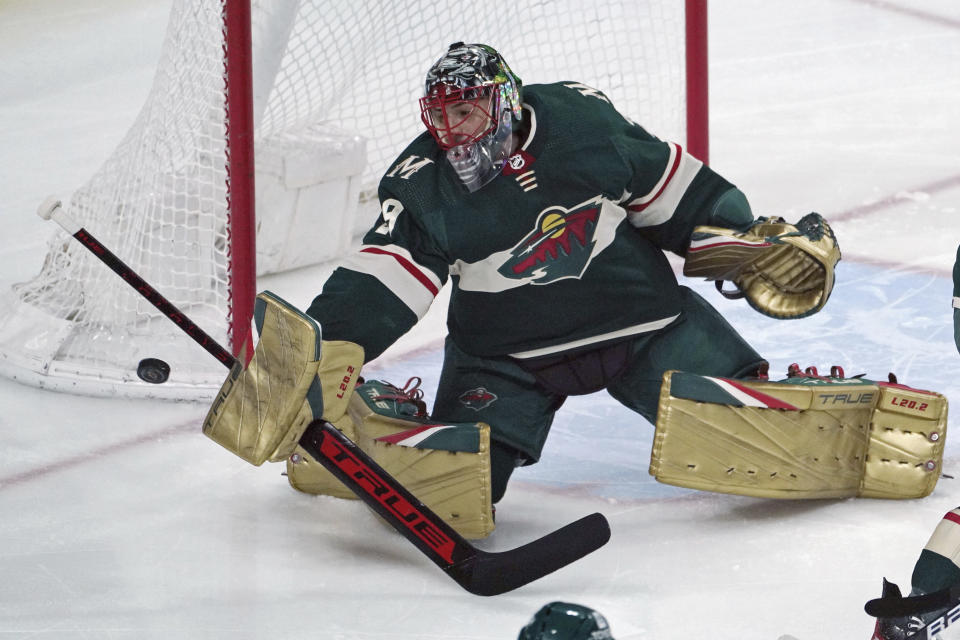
{"points": [[566, 621], [470, 101]]}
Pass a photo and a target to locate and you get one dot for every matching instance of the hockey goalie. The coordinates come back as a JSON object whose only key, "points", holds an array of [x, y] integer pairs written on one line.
{"points": [[548, 213]]}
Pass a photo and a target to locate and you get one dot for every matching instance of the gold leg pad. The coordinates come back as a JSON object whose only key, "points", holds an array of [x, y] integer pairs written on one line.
{"points": [[447, 467], [809, 438], [907, 439]]}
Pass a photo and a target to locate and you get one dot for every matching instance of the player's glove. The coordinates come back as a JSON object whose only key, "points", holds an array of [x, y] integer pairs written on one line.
{"points": [[293, 378], [783, 270]]}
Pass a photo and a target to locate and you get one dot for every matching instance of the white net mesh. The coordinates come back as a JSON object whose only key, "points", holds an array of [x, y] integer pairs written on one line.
{"points": [[369, 74], [354, 68]]}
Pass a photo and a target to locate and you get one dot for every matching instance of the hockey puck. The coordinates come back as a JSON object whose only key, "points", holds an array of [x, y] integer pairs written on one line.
{"points": [[153, 370]]}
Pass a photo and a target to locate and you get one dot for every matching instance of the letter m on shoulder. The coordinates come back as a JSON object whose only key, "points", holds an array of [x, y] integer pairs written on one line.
{"points": [[408, 166]]}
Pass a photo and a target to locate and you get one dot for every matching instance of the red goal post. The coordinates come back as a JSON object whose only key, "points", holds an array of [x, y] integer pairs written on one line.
{"points": [[697, 83], [259, 148]]}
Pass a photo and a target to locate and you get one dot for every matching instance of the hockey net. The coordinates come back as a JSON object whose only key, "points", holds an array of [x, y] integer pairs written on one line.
{"points": [[335, 88]]}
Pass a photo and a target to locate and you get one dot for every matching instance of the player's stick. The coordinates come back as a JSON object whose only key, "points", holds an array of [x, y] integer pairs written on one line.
{"points": [[51, 209], [893, 605], [480, 572], [898, 607]]}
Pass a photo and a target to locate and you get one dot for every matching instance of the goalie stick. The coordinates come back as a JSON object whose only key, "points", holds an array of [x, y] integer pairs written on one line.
{"points": [[480, 572], [894, 607], [946, 601]]}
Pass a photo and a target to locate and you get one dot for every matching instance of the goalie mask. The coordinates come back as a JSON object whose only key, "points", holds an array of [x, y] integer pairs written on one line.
{"points": [[471, 99], [566, 621]]}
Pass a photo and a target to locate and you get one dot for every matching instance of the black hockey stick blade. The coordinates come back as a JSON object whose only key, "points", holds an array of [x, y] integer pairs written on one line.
{"points": [[893, 607], [480, 572], [492, 573]]}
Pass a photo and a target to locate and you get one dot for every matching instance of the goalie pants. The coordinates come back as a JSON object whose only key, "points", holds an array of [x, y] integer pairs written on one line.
{"points": [[519, 399]]}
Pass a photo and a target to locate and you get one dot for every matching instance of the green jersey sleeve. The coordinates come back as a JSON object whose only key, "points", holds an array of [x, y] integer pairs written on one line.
{"points": [[386, 286], [671, 192]]}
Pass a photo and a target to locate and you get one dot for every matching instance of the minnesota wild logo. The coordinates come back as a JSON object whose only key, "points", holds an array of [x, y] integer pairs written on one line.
{"points": [[560, 246], [477, 399]]}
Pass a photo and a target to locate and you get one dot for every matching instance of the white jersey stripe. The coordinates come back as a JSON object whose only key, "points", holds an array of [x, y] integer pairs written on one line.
{"points": [[629, 331], [946, 537], [673, 162], [659, 205], [393, 266]]}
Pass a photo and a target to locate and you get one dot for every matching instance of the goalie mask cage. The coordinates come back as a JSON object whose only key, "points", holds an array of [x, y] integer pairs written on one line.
{"points": [[334, 86]]}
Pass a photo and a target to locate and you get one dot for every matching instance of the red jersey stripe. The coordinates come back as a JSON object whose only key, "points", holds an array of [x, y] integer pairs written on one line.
{"points": [[409, 266], [673, 170]]}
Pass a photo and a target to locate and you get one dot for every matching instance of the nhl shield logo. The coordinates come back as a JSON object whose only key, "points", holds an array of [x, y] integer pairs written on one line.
{"points": [[518, 162], [477, 399]]}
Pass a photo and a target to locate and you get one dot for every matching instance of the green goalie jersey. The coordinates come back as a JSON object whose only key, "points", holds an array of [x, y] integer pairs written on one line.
{"points": [[562, 250]]}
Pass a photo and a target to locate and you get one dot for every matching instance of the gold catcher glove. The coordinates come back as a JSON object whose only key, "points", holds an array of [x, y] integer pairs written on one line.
{"points": [[262, 410], [783, 270]]}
